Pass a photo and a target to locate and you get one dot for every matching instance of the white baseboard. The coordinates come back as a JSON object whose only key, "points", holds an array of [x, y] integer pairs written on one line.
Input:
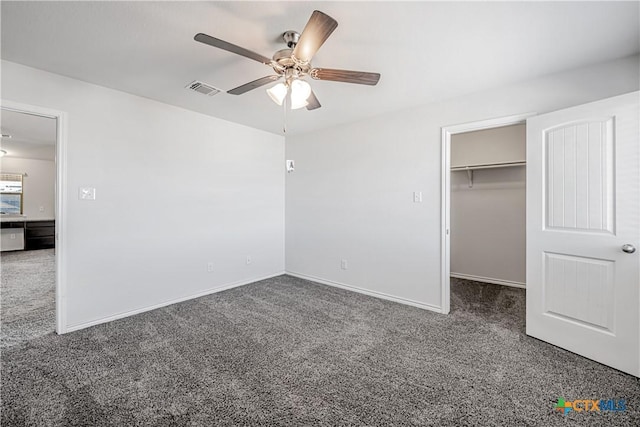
{"points": [[489, 280], [375, 294], [72, 328]]}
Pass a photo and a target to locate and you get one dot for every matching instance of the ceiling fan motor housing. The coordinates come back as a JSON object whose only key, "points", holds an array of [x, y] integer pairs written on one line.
{"points": [[283, 59]]}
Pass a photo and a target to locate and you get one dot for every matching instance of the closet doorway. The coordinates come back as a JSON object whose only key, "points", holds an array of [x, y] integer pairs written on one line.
{"points": [[483, 203], [581, 229]]}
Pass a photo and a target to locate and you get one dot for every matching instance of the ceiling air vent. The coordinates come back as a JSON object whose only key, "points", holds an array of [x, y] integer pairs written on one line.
{"points": [[202, 88]]}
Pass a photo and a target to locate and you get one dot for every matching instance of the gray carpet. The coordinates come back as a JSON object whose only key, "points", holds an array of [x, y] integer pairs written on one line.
{"points": [[289, 352], [27, 295]]}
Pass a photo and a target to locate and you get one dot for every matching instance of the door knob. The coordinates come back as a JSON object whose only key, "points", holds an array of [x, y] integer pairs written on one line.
{"points": [[628, 248]]}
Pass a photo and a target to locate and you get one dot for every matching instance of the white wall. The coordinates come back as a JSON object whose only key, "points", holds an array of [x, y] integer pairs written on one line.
{"points": [[351, 194], [38, 185], [505, 144], [175, 190]]}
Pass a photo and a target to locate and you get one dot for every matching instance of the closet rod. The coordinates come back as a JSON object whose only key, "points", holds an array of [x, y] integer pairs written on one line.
{"points": [[470, 169]]}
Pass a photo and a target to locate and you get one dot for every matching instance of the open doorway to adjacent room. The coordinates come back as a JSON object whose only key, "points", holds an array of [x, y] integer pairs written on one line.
{"points": [[28, 176]]}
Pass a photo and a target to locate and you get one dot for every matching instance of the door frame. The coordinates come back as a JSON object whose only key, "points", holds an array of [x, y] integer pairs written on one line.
{"points": [[60, 199], [445, 192]]}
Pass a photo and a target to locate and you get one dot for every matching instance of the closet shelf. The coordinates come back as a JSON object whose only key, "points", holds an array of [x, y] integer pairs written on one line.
{"points": [[470, 169], [488, 166]]}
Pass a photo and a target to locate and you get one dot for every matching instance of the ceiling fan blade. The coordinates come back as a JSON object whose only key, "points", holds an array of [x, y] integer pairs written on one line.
{"points": [[315, 33], [359, 77], [313, 102], [252, 85], [221, 44]]}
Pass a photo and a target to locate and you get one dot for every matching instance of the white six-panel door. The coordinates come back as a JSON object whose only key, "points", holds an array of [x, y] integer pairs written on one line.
{"points": [[583, 207]]}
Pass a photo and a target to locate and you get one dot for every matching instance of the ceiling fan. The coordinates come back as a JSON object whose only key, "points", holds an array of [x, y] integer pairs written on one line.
{"points": [[294, 63]]}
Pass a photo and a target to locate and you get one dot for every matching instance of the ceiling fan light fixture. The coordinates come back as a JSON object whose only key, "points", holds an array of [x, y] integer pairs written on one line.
{"points": [[278, 93], [294, 63], [300, 91], [296, 105]]}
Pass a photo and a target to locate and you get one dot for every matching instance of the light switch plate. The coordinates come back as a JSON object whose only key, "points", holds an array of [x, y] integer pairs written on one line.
{"points": [[87, 193], [417, 196]]}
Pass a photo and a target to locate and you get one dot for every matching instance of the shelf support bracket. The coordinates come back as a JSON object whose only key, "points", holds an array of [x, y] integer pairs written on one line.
{"points": [[470, 176]]}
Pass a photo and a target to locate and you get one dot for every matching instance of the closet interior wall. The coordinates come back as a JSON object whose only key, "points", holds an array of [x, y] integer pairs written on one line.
{"points": [[488, 189]]}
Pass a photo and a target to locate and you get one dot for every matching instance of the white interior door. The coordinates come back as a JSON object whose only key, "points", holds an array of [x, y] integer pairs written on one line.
{"points": [[583, 222]]}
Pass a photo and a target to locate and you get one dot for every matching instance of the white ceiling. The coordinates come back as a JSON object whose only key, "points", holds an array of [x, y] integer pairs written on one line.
{"points": [[32, 137], [425, 51]]}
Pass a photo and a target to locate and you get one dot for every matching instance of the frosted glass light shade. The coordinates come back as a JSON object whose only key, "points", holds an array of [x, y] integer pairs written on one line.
{"points": [[278, 93], [300, 91], [296, 105]]}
